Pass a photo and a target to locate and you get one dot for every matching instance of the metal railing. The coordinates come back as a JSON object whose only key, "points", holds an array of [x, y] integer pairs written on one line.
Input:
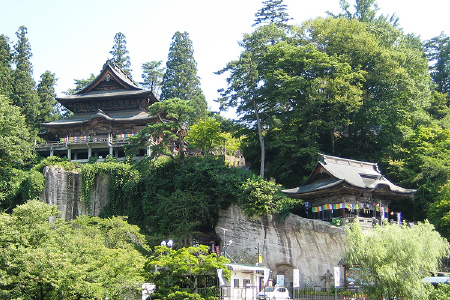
{"points": [[314, 293], [102, 139]]}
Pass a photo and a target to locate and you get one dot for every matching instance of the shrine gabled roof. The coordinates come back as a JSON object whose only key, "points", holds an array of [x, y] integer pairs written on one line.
{"points": [[332, 171], [112, 89], [110, 71]]}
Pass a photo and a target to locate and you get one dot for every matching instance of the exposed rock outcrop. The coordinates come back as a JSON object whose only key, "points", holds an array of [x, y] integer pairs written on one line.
{"points": [[312, 246], [63, 189]]}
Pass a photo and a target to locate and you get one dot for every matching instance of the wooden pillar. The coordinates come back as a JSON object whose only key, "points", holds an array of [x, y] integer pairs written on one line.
{"points": [[69, 153], [89, 152]]}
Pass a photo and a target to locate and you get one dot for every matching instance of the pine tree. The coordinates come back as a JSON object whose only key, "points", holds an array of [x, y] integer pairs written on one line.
{"points": [[437, 50], [181, 80], [152, 73], [273, 11], [24, 93], [47, 94], [119, 53], [5, 66]]}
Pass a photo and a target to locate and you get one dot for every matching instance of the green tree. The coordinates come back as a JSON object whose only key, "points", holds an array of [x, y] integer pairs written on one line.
{"points": [[44, 257], [166, 137], [205, 135], [245, 80], [439, 210], [437, 50], [16, 138], [186, 268], [180, 79], [152, 74], [395, 85], [47, 95], [119, 53], [442, 292], [365, 11], [422, 162], [394, 259], [5, 66], [273, 11], [80, 84], [260, 197], [24, 88]]}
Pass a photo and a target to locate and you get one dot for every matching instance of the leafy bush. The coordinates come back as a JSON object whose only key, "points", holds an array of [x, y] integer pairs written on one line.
{"points": [[261, 197]]}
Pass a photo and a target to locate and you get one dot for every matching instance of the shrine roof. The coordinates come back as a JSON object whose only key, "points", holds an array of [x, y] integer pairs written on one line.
{"points": [[110, 85], [104, 94], [110, 71], [332, 171], [113, 116]]}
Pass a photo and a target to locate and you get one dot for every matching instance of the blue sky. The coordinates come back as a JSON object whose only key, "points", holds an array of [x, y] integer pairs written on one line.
{"points": [[73, 38]]}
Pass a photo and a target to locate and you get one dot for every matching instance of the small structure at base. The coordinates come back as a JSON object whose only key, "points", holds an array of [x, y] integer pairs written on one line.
{"points": [[246, 281]]}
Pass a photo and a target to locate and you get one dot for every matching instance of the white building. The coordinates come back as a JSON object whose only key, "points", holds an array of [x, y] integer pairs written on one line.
{"points": [[246, 281]]}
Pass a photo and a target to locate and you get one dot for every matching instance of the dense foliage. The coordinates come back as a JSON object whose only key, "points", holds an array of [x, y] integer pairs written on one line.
{"points": [[185, 271], [88, 258], [183, 201], [393, 260]]}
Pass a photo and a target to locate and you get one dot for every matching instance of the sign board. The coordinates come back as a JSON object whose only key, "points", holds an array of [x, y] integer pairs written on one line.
{"points": [[220, 277], [296, 278], [280, 280], [337, 276]]}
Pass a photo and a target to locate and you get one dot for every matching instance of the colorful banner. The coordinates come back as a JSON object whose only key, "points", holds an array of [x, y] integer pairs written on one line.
{"points": [[124, 136], [334, 206], [75, 139]]}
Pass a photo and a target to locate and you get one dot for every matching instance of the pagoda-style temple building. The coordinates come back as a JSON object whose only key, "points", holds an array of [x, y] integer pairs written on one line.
{"points": [[339, 190], [105, 113]]}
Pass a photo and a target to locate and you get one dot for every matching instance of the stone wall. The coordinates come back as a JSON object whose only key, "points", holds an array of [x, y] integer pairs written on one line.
{"points": [[312, 246], [63, 189]]}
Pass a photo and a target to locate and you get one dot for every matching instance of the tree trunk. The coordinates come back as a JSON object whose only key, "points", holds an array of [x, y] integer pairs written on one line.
{"points": [[332, 140], [261, 141]]}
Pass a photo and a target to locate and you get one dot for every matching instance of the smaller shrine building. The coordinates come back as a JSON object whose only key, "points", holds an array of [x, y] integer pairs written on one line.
{"points": [[340, 189], [104, 115]]}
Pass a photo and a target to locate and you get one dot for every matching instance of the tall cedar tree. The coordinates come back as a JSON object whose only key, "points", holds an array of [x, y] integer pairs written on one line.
{"points": [[181, 80], [47, 94], [5, 66], [24, 88], [119, 53], [152, 74], [438, 53], [273, 11], [16, 140]]}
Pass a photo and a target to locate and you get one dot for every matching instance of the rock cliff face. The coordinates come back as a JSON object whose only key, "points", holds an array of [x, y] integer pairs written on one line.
{"points": [[312, 246], [63, 189]]}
